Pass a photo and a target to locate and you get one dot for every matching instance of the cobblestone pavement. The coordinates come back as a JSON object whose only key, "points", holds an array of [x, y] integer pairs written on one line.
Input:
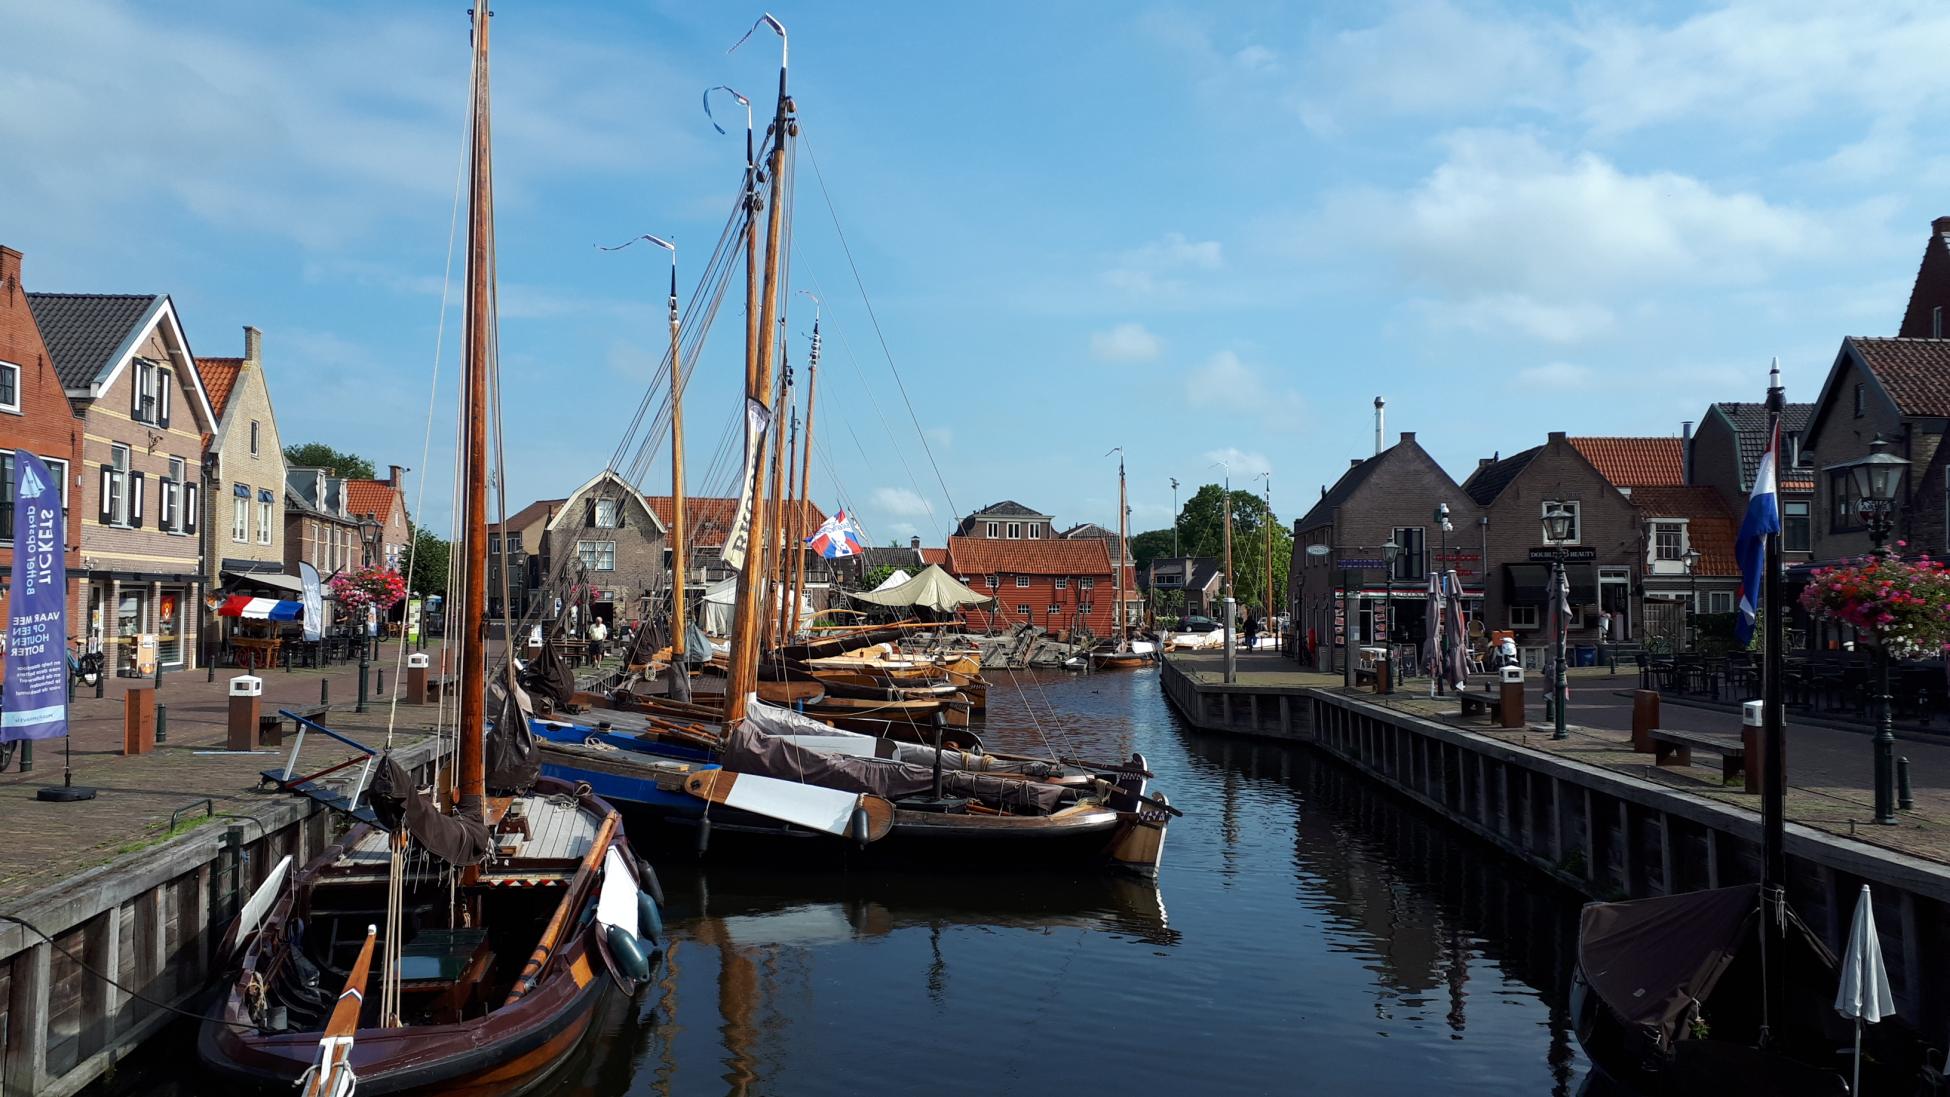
{"points": [[1830, 769]]}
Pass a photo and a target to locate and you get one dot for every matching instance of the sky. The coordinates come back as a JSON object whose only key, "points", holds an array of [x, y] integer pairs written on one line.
{"points": [[1205, 233]]}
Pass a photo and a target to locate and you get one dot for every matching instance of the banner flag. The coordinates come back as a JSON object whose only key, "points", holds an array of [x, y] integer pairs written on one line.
{"points": [[37, 617]]}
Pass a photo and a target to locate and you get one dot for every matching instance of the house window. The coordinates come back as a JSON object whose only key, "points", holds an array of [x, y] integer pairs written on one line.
{"points": [[1022, 582], [1086, 608], [240, 513], [1845, 514], [253, 438], [172, 497], [1035, 529], [1795, 527], [1523, 616], [115, 487], [1719, 601], [1668, 540], [606, 514], [1015, 531], [597, 555], [1054, 609], [1086, 584], [1577, 520], [9, 387], [1408, 561], [994, 529], [263, 517], [1858, 401], [992, 582], [1062, 584], [58, 470], [494, 544]]}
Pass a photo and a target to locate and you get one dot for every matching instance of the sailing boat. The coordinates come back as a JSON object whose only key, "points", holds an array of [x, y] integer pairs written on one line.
{"points": [[511, 910], [1124, 654], [1724, 990]]}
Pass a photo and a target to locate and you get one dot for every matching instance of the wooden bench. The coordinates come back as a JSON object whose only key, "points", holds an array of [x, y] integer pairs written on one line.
{"points": [[1481, 703], [439, 685], [270, 725], [1675, 748], [1364, 676]]}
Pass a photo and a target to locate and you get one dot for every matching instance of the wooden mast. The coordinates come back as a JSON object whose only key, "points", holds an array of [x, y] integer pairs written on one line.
{"points": [[789, 532], [774, 546], [805, 469], [471, 777], [1123, 551], [678, 529], [743, 677], [1266, 600]]}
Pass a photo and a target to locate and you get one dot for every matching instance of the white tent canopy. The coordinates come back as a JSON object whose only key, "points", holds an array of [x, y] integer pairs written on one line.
{"points": [[721, 606], [900, 576], [933, 589]]}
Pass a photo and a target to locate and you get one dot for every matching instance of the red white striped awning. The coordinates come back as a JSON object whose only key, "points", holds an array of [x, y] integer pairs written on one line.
{"points": [[261, 609]]}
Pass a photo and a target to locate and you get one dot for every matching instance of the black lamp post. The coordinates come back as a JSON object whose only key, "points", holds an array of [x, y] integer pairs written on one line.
{"points": [[369, 532], [1557, 526], [1389, 551], [1876, 480], [1690, 558]]}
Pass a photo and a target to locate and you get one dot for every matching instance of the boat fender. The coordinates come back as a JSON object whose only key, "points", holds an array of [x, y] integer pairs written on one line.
{"points": [[703, 835], [862, 826], [628, 954], [649, 918], [647, 878]]}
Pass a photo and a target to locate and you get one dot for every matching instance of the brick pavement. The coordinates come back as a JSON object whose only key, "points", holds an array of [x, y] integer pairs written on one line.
{"points": [[44, 842], [1830, 769]]}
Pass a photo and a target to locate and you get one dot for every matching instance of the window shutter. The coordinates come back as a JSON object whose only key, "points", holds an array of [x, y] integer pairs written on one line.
{"points": [[163, 398], [589, 512], [189, 508], [135, 499], [136, 371], [108, 492], [620, 509]]}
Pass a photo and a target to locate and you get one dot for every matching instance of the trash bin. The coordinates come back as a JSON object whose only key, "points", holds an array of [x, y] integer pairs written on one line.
{"points": [[1587, 656]]}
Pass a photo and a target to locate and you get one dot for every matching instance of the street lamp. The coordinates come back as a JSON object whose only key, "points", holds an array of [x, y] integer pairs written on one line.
{"points": [[1452, 604], [1690, 559], [1389, 551], [369, 532], [1557, 526], [1875, 480]]}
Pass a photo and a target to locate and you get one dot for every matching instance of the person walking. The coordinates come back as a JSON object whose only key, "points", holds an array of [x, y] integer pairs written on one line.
{"points": [[1252, 628], [598, 639]]}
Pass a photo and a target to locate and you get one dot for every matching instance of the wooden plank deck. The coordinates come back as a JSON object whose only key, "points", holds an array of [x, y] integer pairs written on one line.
{"points": [[557, 831]]}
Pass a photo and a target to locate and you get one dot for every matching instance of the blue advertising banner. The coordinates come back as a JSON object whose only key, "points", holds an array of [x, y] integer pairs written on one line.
{"points": [[37, 618]]}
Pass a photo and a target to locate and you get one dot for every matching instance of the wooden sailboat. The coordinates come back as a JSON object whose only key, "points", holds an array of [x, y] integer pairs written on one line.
{"points": [[513, 905], [1121, 656]]}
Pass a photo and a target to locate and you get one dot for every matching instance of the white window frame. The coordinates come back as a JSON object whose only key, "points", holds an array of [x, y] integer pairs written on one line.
{"points": [[1062, 582], [1035, 530], [1577, 521], [592, 555], [1720, 601], [1662, 526], [992, 582], [1022, 582], [254, 451], [1525, 617], [119, 459], [263, 522], [1013, 531], [170, 518], [15, 405], [605, 514], [240, 518], [994, 529], [1807, 517]]}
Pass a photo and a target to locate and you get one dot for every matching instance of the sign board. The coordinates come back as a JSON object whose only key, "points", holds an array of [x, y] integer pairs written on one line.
{"points": [[145, 655], [1360, 564], [1458, 557], [413, 621], [1573, 554], [35, 705]]}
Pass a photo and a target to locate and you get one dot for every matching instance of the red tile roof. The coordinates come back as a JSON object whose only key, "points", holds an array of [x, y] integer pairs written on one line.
{"points": [[974, 556], [219, 377], [709, 517], [1916, 372], [935, 556], [374, 497], [1636, 462], [1709, 525]]}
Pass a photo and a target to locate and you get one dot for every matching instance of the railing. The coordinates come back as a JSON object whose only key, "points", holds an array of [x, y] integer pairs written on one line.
{"points": [[305, 723]]}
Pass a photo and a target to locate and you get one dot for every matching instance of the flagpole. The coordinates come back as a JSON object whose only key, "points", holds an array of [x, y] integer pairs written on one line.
{"points": [[1773, 796]]}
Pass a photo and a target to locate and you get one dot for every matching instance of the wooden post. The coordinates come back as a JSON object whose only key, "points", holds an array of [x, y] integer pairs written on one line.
{"points": [[1645, 719], [139, 720], [27, 1019]]}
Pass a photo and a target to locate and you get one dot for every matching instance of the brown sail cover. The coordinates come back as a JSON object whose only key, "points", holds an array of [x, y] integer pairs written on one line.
{"points": [[748, 751], [513, 762], [1651, 960], [459, 839], [549, 677]]}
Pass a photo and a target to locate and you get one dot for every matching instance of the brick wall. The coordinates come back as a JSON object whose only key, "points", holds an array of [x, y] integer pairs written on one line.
{"points": [[639, 555], [234, 461], [44, 422], [1839, 435], [1609, 524]]}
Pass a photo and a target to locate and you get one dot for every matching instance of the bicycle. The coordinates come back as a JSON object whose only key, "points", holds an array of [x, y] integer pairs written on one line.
{"points": [[84, 667]]}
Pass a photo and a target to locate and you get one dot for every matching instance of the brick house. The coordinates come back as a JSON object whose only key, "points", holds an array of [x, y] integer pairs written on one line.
{"points": [[1724, 454], [708, 520], [1929, 295], [1392, 495], [383, 501], [1513, 494], [319, 529], [606, 536], [243, 477], [1197, 576], [1060, 585], [1898, 389], [35, 416], [518, 548], [130, 374], [1008, 521]]}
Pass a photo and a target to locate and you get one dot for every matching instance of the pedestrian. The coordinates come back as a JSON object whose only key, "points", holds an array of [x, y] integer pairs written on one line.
{"points": [[598, 636], [1252, 629]]}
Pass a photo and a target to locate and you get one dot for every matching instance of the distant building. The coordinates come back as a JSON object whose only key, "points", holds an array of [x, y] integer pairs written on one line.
{"points": [[1200, 578], [35, 416], [1061, 583], [382, 501], [318, 528], [1006, 521], [1724, 454], [604, 537], [518, 548], [243, 482]]}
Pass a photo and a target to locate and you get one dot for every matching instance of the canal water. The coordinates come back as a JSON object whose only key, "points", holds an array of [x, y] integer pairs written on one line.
{"points": [[1309, 933]]}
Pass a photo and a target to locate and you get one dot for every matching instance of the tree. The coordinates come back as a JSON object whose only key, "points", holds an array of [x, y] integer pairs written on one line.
{"points": [[319, 455], [1149, 546], [1201, 532], [876, 575], [430, 558]]}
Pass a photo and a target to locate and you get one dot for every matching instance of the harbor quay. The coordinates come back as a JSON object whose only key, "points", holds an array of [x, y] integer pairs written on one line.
{"points": [[1612, 823], [111, 908]]}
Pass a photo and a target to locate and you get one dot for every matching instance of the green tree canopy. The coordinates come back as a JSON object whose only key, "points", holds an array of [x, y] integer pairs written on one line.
{"points": [[430, 557], [1201, 532], [349, 465], [1149, 546]]}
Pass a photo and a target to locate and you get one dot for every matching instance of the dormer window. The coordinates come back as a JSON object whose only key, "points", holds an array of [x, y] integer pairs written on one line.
{"points": [[994, 529], [1015, 531]]}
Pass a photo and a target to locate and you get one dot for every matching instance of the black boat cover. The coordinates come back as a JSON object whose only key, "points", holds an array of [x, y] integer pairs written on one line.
{"points": [[458, 839], [548, 676], [513, 762], [747, 750]]}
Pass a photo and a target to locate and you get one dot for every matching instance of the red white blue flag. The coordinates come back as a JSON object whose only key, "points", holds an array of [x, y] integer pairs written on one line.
{"points": [[1750, 548], [837, 537]]}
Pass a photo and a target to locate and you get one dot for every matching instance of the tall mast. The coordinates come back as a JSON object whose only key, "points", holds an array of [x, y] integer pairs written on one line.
{"points": [[1773, 781], [472, 773], [743, 677], [1123, 550], [678, 528], [774, 550], [1266, 609], [798, 541]]}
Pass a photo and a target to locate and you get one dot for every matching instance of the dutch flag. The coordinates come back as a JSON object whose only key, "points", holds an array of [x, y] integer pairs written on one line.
{"points": [[1763, 518]]}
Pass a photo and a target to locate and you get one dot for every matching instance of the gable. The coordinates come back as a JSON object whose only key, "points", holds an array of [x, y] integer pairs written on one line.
{"points": [[1931, 290], [91, 355], [606, 485], [1838, 393]]}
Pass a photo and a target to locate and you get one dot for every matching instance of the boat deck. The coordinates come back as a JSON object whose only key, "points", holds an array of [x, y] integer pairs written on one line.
{"points": [[558, 830]]}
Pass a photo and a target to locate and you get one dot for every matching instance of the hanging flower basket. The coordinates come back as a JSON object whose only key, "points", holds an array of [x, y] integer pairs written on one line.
{"points": [[376, 587], [1903, 604]]}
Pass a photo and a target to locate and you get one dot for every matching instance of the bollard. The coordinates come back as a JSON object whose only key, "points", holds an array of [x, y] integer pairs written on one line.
{"points": [[324, 691], [1905, 799], [209, 668], [101, 679], [380, 688], [159, 670], [286, 649], [360, 704], [416, 678], [162, 723], [246, 704], [139, 720]]}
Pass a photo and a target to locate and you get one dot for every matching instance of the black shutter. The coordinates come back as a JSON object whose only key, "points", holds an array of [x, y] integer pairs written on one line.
{"points": [[162, 398], [135, 499], [589, 512], [136, 371], [189, 508], [108, 488]]}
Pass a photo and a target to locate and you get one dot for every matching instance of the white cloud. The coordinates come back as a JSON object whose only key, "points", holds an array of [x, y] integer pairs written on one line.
{"points": [[942, 437], [903, 502], [1555, 375], [1158, 267], [1550, 323], [1227, 383], [1239, 464], [1431, 57], [1124, 343]]}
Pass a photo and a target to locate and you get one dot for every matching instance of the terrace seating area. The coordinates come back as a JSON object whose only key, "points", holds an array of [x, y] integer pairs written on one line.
{"points": [[1835, 685]]}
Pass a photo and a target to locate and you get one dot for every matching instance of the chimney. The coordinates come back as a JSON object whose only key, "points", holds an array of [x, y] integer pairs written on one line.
{"points": [[253, 345], [1484, 462], [393, 476], [914, 542], [1407, 437], [1941, 225], [1686, 451], [1354, 462], [9, 273], [1380, 414], [1556, 436]]}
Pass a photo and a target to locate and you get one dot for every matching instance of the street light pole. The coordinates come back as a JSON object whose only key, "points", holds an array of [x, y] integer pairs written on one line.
{"points": [[1389, 551], [1691, 559], [1557, 526], [1876, 479]]}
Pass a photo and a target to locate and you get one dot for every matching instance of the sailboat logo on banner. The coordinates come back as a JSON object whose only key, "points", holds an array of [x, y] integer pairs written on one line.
{"points": [[837, 537], [31, 485]]}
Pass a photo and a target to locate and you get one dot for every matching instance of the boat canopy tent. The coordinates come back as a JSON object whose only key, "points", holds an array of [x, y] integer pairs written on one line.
{"points": [[932, 589], [900, 576], [721, 607]]}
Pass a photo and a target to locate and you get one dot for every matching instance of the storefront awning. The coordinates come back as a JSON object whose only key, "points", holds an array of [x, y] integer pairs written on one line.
{"points": [[260, 609], [271, 580]]}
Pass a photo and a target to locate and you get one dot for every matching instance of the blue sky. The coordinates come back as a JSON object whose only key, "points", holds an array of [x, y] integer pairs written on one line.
{"points": [[1202, 232]]}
